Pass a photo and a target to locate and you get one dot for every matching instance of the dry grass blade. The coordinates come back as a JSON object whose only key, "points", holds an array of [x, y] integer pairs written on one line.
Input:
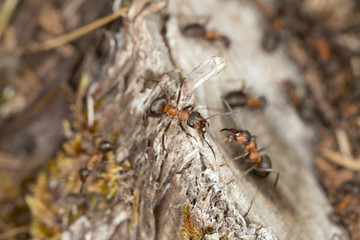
{"points": [[344, 143], [6, 13], [71, 36], [13, 232], [337, 158]]}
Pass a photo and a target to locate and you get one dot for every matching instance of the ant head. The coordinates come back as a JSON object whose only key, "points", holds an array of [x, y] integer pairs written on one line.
{"points": [[105, 146], [226, 41], [243, 137], [265, 163], [263, 101], [196, 121], [158, 106]]}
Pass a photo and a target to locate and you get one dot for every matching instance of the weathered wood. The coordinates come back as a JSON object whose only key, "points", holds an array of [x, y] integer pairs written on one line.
{"points": [[187, 171]]}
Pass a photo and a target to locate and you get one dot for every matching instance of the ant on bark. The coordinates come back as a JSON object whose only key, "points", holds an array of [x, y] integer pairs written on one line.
{"points": [[162, 107], [103, 147], [241, 99], [199, 30], [260, 164]]}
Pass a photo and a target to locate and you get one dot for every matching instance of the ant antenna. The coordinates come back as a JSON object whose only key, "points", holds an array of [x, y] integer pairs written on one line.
{"points": [[221, 114], [251, 204], [162, 88], [231, 111], [203, 135]]}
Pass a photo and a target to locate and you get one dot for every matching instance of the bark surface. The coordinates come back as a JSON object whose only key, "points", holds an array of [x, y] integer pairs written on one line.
{"points": [[184, 189]]}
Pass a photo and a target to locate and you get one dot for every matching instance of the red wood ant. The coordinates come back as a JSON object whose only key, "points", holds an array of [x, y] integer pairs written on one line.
{"points": [[102, 147], [162, 107], [240, 99], [199, 30], [260, 164]]}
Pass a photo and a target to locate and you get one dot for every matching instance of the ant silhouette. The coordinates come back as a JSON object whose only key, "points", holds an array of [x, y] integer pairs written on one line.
{"points": [[260, 164], [241, 99], [199, 30]]}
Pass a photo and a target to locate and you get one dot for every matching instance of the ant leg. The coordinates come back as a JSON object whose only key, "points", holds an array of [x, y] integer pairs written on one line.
{"points": [[236, 158], [245, 173], [162, 88], [84, 174], [182, 128], [147, 115], [251, 204], [240, 156], [270, 170], [262, 149], [231, 110], [203, 135], [179, 93], [188, 108], [163, 136], [233, 130], [82, 189]]}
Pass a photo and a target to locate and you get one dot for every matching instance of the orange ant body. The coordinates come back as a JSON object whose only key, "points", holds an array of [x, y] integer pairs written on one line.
{"points": [[102, 147], [240, 99], [261, 164], [199, 30], [161, 107]]}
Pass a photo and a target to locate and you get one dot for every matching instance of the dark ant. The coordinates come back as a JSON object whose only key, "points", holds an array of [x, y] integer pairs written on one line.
{"points": [[272, 35], [240, 99], [162, 107], [103, 147], [260, 164], [199, 30]]}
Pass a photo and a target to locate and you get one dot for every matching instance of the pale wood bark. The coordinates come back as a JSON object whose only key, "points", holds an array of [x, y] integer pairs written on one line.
{"points": [[187, 172]]}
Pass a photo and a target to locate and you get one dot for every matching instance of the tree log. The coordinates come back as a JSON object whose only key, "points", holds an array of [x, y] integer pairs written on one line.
{"points": [[184, 189]]}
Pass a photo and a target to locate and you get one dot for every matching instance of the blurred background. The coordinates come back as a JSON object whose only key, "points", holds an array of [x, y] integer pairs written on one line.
{"points": [[46, 134]]}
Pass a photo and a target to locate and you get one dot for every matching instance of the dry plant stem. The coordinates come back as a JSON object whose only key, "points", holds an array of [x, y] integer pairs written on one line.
{"points": [[344, 143], [337, 158], [13, 232], [6, 13], [56, 42]]}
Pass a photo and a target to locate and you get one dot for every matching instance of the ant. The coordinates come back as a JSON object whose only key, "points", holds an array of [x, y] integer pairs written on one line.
{"points": [[240, 99], [162, 106], [260, 164], [103, 147], [199, 30]]}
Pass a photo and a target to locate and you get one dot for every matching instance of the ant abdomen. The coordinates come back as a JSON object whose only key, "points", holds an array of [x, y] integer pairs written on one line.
{"points": [[236, 99], [265, 163], [157, 107], [193, 30], [241, 99]]}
